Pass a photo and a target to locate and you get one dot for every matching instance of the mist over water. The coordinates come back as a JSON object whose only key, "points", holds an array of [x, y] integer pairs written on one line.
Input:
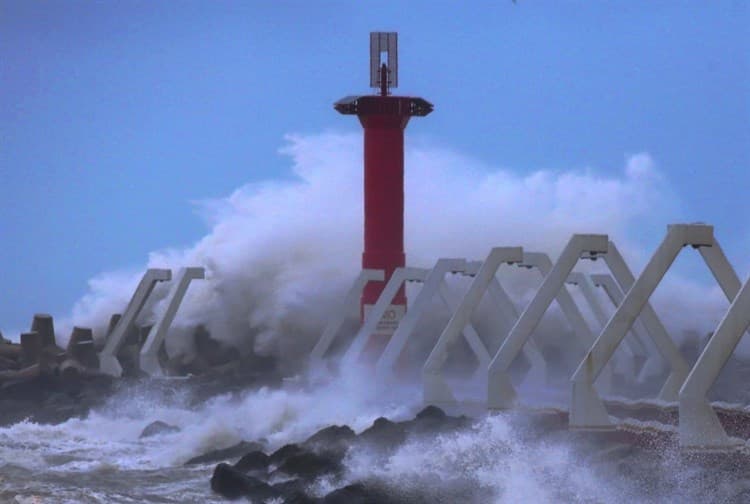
{"points": [[279, 255]]}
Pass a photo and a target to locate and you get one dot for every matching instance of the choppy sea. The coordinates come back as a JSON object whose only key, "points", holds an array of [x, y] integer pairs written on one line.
{"points": [[102, 458]]}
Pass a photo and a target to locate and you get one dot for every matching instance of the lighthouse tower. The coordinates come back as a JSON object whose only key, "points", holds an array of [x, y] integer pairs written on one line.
{"points": [[384, 118]]}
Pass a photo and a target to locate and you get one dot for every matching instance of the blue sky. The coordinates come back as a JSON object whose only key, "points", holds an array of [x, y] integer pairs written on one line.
{"points": [[116, 116]]}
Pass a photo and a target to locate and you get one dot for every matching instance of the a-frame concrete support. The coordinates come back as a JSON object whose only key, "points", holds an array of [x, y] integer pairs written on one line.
{"points": [[634, 348], [678, 367], [399, 277], [587, 410], [108, 362], [433, 284], [345, 309], [436, 390], [700, 428], [149, 359], [614, 293], [500, 391], [542, 262]]}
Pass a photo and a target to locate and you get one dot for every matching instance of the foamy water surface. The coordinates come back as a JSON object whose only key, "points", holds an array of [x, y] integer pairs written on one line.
{"points": [[501, 458]]}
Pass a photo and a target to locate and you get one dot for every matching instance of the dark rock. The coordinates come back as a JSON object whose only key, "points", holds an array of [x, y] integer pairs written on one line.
{"points": [[209, 356], [128, 356], [15, 410], [292, 490], [358, 493], [225, 454], [206, 347], [311, 465], [71, 369], [350, 494], [253, 461], [46, 399], [330, 435], [231, 483], [6, 363], [431, 413], [383, 434], [332, 440], [11, 350], [279, 456], [300, 498], [156, 428], [432, 420], [27, 374]]}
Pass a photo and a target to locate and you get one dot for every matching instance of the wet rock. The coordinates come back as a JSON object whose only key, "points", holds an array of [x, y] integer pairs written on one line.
{"points": [[279, 456], [156, 428], [208, 356], [383, 434], [254, 461], [10, 350], [231, 483], [71, 369], [46, 399], [358, 493], [15, 410], [311, 465], [335, 439], [293, 491], [8, 364], [331, 435], [25, 374], [432, 420], [225, 453], [431, 413], [300, 498], [211, 350]]}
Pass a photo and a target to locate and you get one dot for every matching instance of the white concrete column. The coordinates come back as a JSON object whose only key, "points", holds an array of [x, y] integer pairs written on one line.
{"points": [[398, 278], [149, 360], [433, 283], [345, 309], [108, 362], [587, 410], [436, 390]]}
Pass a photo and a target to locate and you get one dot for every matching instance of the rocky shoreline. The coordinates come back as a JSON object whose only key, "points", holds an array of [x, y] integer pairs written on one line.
{"points": [[287, 473], [319, 469]]}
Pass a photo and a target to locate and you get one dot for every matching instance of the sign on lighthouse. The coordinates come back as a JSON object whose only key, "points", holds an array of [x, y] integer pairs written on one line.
{"points": [[384, 118]]}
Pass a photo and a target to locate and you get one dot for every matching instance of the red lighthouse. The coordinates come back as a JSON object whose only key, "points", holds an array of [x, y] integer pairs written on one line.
{"points": [[384, 118]]}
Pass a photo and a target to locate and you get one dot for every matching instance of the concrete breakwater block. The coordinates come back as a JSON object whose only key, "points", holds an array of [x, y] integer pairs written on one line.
{"points": [[31, 347], [44, 325], [81, 347]]}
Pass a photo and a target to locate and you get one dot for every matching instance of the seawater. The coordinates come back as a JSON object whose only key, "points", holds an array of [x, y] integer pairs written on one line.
{"points": [[101, 459]]}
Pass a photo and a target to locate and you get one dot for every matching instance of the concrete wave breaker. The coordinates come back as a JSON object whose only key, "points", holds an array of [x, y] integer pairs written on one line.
{"points": [[587, 410], [108, 362]]}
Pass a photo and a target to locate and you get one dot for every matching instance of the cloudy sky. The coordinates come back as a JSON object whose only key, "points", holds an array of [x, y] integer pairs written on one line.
{"points": [[138, 126]]}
